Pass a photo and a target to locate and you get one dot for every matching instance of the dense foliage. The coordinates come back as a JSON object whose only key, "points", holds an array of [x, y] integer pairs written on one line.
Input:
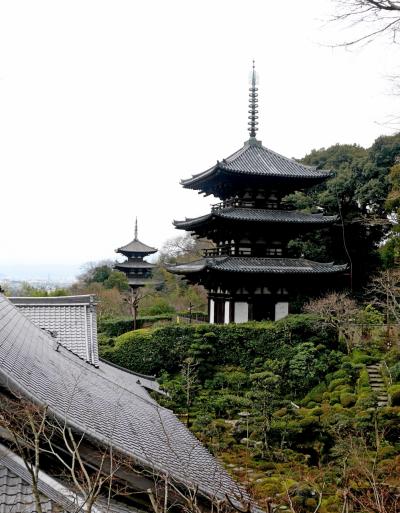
{"points": [[357, 192], [285, 406]]}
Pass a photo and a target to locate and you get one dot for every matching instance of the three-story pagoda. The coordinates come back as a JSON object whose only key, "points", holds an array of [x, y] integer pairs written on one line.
{"points": [[249, 275], [136, 269]]}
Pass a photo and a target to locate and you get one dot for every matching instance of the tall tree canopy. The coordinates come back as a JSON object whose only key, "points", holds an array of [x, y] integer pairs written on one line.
{"points": [[357, 192]]}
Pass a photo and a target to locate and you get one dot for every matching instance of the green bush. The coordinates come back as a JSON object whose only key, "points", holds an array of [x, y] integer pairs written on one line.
{"points": [[360, 357], [316, 394], [363, 381], [366, 400], [388, 451], [119, 326], [394, 392], [165, 348], [347, 400], [159, 307], [395, 372], [335, 383]]}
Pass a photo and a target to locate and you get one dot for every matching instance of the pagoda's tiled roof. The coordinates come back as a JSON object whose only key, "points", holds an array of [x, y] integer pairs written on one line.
{"points": [[255, 265], [134, 264], [70, 319], [136, 246], [255, 159], [140, 282], [258, 215], [95, 402]]}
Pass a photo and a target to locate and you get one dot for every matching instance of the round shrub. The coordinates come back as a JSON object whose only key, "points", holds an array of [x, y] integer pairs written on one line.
{"points": [[335, 398], [347, 400], [387, 452], [341, 373], [395, 371], [366, 400], [337, 382], [394, 392]]}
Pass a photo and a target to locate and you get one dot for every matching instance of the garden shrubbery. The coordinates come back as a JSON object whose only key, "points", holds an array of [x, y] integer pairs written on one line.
{"points": [[114, 327], [164, 349]]}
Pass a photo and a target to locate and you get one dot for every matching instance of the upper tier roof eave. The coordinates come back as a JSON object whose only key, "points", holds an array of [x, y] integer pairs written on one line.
{"points": [[257, 160], [136, 246]]}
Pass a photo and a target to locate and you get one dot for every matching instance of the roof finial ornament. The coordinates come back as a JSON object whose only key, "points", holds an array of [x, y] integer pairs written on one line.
{"points": [[253, 103], [136, 234]]}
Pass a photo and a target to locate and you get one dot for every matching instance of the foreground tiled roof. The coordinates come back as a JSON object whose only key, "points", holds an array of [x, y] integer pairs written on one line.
{"points": [[135, 246], [255, 265], [70, 319], [16, 491], [258, 215], [255, 159], [96, 402], [17, 494]]}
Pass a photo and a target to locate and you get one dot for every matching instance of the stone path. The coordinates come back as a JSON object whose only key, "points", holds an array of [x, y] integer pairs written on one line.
{"points": [[377, 384]]}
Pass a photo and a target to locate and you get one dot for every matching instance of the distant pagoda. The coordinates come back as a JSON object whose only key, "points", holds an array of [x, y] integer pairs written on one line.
{"points": [[137, 270], [249, 275]]}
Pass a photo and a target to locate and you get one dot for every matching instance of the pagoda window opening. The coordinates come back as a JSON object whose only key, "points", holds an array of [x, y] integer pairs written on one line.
{"points": [[274, 252], [282, 291]]}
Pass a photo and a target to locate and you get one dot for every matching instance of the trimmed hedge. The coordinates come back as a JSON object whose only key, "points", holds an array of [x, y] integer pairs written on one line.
{"points": [[164, 349], [118, 326]]}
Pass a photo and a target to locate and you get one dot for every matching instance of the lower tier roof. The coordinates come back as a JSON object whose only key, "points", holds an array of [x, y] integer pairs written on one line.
{"points": [[254, 265]]}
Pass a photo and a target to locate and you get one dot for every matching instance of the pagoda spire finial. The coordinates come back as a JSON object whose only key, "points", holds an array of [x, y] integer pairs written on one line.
{"points": [[136, 230], [253, 104]]}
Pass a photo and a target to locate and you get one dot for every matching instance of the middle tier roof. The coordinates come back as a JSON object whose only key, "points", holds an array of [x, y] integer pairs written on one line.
{"points": [[257, 215]]}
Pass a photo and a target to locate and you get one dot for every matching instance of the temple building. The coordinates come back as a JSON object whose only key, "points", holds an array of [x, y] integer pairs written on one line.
{"points": [[137, 270], [137, 446], [250, 274]]}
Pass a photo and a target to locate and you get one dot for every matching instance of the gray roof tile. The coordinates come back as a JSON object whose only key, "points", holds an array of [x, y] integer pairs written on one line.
{"points": [[260, 215], [255, 265], [255, 159], [95, 402], [134, 264], [135, 246], [16, 491], [71, 320]]}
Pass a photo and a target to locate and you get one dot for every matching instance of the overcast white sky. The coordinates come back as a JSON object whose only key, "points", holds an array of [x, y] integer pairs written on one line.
{"points": [[106, 105]]}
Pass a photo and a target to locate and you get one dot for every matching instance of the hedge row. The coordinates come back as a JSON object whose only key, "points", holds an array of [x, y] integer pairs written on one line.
{"points": [[164, 349], [118, 326]]}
